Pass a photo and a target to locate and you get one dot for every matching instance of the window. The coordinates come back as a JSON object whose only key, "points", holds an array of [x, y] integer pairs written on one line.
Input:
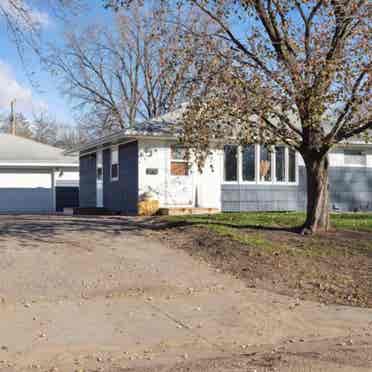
{"points": [[354, 157], [99, 173], [292, 166], [265, 164], [114, 163], [99, 166], [231, 163], [249, 163], [179, 164], [259, 163], [280, 164]]}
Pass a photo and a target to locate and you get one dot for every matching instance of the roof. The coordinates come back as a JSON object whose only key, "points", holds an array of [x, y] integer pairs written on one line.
{"points": [[16, 150], [167, 126]]}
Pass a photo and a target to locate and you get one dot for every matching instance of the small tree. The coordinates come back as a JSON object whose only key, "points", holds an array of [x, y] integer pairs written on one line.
{"points": [[291, 71]]}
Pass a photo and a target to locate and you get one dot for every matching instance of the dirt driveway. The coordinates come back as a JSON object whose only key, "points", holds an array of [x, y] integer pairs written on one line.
{"points": [[103, 294]]}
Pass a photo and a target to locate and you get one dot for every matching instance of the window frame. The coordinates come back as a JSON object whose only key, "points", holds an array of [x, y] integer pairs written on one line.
{"points": [[182, 161], [258, 180], [114, 149]]}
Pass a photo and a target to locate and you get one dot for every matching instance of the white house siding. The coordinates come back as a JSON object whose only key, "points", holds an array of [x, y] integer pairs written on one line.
{"points": [[201, 189], [67, 178], [26, 191], [336, 157]]}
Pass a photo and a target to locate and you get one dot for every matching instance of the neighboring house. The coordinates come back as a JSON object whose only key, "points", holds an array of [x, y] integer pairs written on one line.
{"points": [[36, 178], [116, 170]]}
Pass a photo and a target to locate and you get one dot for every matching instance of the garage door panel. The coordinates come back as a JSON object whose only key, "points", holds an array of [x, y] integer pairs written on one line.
{"points": [[25, 191]]}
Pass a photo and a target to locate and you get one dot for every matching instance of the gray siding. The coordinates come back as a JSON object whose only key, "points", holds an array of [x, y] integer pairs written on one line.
{"points": [[350, 190], [88, 189], [236, 198], [24, 200], [122, 195]]}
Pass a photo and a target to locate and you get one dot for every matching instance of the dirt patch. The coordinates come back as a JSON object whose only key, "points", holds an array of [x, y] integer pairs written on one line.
{"points": [[335, 268]]}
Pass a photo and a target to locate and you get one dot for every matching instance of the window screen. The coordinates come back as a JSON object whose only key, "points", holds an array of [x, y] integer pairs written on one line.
{"points": [[179, 163], [114, 164], [231, 163], [280, 163], [265, 164], [249, 163], [291, 166]]}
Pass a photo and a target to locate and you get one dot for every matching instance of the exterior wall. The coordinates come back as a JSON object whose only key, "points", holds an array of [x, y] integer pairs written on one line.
{"points": [[67, 178], [237, 198], [202, 189], [88, 192], [121, 195], [66, 197], [350, 189], [26, 191], [154, 155]]}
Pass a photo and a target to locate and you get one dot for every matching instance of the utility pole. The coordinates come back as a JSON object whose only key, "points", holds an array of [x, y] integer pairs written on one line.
{"points": [[12, 117]]}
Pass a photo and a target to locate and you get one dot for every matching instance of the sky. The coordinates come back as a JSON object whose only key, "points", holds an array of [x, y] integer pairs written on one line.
{"points": [[25, 79]]}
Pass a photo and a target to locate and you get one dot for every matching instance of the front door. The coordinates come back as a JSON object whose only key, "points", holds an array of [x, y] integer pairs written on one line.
{"points": [[99, 179], [180, 183]]}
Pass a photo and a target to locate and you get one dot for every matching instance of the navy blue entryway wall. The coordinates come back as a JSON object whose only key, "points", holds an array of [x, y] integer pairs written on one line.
{"points": [[118, 195]]}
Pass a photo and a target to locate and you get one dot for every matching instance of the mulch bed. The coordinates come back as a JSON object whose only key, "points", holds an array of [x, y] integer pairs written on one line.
{"points": [[343, 275]]}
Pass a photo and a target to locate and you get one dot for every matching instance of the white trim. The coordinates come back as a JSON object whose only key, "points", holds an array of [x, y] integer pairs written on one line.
{"points": [[46, 165], [54, 196], [258, 180]]}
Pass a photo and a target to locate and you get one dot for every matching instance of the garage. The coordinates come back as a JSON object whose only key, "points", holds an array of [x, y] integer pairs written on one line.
{"points": [[36, 178]]}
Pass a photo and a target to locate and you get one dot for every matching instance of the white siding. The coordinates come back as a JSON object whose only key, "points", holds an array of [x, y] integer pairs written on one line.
{"points": [[209, 181], [25, 180], [336, 158], [153, 155], [67, 178], [204, 188]]}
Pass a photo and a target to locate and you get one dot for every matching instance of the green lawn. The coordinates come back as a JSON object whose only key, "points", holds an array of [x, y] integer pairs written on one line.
{"points": [[346, 221], [258, 229]]}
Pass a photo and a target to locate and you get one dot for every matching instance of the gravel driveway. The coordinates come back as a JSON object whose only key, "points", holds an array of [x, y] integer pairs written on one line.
{"points": [[90, 294]]}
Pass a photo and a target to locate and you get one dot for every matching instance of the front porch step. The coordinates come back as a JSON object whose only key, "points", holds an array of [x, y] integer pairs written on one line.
{"points": [[182, 211]]}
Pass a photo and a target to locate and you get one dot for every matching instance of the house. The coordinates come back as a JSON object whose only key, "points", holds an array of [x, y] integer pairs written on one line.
{"points": [[115, 171], [36, 178]]}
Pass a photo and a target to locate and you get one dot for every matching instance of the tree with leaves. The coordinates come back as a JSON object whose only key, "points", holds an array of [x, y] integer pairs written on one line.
{"points": [[296, 72]]}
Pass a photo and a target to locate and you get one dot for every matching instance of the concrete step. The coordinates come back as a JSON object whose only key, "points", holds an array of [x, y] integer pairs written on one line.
{"points": [[182, 211]]}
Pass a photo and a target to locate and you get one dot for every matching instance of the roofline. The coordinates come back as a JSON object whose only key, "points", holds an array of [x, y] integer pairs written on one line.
{"points": [[118, 137]]}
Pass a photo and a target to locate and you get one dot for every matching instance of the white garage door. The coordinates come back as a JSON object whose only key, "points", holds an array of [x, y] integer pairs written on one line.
{"points": [[25, 191]]}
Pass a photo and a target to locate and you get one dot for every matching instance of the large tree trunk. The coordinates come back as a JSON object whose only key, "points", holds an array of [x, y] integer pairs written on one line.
{"points": [[317, 217]]}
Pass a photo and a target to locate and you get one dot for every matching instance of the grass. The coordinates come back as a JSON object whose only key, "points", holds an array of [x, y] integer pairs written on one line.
{"points": [[281, 220], [252, 228]]}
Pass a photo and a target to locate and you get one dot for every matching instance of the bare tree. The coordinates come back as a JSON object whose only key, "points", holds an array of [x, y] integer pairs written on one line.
{"points": [[45, 129], [25, 21], [127, 74], [297, 72], [23, 127]]}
